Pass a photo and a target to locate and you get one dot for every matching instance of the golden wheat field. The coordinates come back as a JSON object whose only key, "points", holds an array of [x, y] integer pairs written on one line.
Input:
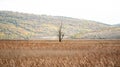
{"points": [[51, 53]]}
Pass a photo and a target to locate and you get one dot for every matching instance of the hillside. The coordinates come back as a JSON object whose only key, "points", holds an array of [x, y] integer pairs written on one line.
{"points": [[14, 25], [103, 34], [117, 25]]}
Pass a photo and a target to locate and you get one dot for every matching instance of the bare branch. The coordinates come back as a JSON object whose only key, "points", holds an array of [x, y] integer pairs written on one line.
{"points": [[60, 35]]}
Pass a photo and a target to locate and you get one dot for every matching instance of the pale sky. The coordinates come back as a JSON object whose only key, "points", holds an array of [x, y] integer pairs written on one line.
{"points": [[105, 11]]}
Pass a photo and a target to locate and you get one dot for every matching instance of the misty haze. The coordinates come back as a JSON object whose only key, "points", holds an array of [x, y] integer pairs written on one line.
{"points": [[59, 33]]}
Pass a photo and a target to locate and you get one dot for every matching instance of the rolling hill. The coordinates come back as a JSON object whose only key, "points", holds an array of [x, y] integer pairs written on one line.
{"points": [[117, 25], [15, 25]]}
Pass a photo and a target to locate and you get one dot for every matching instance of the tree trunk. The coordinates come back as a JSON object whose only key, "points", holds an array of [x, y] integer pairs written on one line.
{"points": [[60, 33]]}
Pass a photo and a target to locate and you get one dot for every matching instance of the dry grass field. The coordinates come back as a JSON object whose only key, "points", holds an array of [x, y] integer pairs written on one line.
{"points": [[51, 53]]}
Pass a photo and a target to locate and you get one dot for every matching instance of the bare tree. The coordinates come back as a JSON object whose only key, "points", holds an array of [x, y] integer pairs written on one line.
{"points": [[60, 33]]}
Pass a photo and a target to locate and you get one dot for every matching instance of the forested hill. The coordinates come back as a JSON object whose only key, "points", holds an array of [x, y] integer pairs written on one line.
{"points": [[14, 25]]}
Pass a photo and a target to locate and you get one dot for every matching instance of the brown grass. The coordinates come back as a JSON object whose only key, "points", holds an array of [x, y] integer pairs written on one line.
{"points": [[51, 53]]}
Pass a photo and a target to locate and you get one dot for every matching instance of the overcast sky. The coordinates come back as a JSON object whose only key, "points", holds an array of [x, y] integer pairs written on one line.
{"points": [[105, 11]]}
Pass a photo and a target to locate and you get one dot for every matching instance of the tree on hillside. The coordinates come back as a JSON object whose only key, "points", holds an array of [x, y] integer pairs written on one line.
{"points": [[60, 33]]}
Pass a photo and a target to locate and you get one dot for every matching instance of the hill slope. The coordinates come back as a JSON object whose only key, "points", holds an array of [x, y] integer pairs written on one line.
{"points": [[14, 25], [117, 25]]}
